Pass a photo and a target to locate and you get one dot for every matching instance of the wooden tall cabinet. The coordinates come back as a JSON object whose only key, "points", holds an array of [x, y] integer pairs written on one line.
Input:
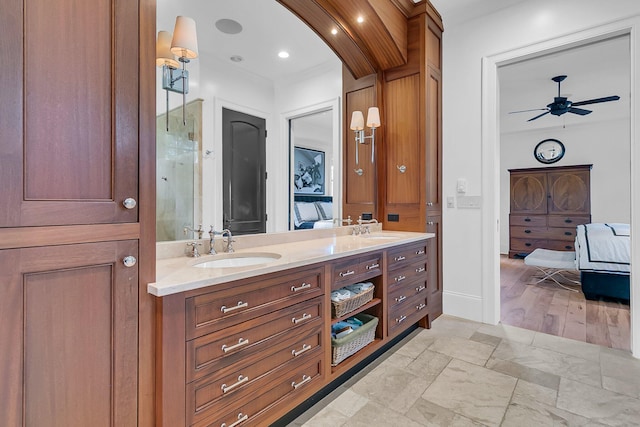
{"points": [[70, 126], [546, 206]]}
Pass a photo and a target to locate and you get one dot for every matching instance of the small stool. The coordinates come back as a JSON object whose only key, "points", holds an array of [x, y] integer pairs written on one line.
{"points": [[553, 263]]}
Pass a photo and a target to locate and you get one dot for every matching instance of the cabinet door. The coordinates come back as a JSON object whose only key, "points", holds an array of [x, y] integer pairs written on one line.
{"points": [[529, 193], [434, 142], [69, 120], [569, 192], [69, 335], [434, 267]]}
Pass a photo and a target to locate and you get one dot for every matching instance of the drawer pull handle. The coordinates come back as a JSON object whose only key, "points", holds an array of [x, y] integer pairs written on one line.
{"points": [[421, 288], [421, 306], [241, 342], [527, 231], [399, 278], [304, 317], [305, 379], [401, 319], [240, 304], [399, 258], [372, 266], [401, 298], [527, 244], [420, 252], [568, 221], [568, 233], [420, 269], [241, 380], [430, 222], [241, 418], [568, 247], [305, 347], [527, 220], [301, 287], [347, 273]]}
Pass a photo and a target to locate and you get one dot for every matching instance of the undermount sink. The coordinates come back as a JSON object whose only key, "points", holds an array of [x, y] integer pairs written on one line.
{"points": [[238, 260]]}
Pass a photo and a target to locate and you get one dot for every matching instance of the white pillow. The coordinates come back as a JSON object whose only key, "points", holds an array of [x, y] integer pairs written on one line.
{"points": [[325, 209], [304, 211]]}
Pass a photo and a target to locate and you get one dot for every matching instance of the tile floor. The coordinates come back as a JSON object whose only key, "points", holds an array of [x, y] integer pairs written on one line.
{"points": [[463, 373]]}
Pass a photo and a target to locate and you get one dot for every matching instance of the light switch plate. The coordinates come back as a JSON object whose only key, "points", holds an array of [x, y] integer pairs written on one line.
{"points": [[451, 202]]}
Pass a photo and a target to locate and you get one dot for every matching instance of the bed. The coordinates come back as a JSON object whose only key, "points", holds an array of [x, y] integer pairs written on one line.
{"points": [[311, 211], [603, 258]]}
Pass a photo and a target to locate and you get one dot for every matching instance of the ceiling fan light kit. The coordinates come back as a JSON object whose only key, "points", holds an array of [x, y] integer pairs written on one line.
{"points": [[562, 105]]}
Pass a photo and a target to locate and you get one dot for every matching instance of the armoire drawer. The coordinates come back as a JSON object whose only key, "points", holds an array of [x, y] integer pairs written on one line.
{"points": [[529, 232], [568, 221], [221, 309], [560, 245], [527, 245], [528, 220]]}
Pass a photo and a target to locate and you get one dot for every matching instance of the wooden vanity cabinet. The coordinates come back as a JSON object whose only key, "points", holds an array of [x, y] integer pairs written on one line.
{"points": [[249, 351]]}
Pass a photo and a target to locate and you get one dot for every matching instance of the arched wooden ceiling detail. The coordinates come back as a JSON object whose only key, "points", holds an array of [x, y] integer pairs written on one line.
{"points": [[377, 44]]}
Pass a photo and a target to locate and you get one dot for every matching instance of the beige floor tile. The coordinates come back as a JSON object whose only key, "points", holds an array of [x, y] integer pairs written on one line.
{"points": [[348, 403], [567, 346], [418, 343], [429, 414], [620, 374], [454, 326], [564, 365], [508, 332], [327, 417], [428, 365], [376, 415], [475, 392], [529, 391], [491, 340], [533, 375], [599, 405], [463, 349]]}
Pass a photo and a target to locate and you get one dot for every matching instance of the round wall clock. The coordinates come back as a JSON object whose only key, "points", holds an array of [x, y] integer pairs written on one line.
{"points": [[549, 151]]}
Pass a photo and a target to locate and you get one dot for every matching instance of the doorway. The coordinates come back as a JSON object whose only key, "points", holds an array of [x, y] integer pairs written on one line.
{"points": [[491, 164], [243, 173]]}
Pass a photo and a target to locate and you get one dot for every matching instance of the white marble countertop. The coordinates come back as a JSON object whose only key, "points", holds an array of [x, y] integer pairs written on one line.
{"points": [[177, 274]]}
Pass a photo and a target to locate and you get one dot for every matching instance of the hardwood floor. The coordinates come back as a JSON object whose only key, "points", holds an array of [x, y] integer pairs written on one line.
{"points": [[546, 307]]}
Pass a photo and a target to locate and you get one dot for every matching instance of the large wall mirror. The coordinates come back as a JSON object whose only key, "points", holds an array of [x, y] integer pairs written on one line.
{"points": [[238, 69]]}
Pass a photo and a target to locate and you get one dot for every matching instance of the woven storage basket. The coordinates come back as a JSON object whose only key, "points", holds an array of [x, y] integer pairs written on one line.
{"points": [[341, 308], [341, 348]]}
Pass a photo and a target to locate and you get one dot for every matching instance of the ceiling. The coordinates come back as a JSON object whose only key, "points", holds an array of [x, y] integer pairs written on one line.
{"points": [[593, 71], [268, 27]]}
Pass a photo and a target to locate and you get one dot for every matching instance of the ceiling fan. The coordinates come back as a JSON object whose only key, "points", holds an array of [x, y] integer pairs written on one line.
{"points": [[561, 104]]}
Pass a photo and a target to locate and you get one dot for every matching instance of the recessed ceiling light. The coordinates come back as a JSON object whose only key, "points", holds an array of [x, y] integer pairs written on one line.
{"points": [[283, 54], [360, 19], [228, 26], [334, 31], [236, 58]]}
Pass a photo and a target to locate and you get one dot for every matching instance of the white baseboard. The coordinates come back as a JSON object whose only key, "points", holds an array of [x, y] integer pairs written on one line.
{"points": [[462, 305]]}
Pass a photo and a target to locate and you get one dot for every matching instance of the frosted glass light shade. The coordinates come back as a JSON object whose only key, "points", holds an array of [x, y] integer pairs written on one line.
{"points": [[357, 120], [185, 39], [163, 50], [373, 117]]}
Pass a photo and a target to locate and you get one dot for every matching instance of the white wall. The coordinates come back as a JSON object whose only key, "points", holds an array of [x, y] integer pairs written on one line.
{"points": [[605, 145], [464, 47]]}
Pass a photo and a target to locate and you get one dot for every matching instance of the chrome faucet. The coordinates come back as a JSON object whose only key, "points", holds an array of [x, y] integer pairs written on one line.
{"points": [[193, 252], [365, 228], [199, 231], [212, 233], [230, 240]]}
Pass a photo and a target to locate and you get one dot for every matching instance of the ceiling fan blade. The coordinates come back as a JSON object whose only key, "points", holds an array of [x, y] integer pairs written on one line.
{"points": [[597, 100], [526, 111], [579, 111], [537, 117]]}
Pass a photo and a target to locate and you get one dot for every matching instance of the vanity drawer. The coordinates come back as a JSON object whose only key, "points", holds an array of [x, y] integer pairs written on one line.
{"points": [[212, 352], [406, 255], [399, 294], [407, 273], [298, 382], [407, 312], [218, 310], [216, 392], [354, 270]]}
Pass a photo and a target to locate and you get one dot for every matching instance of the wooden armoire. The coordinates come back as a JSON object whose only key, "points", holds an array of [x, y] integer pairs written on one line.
{"points": [[77, 240], [546, 206]]}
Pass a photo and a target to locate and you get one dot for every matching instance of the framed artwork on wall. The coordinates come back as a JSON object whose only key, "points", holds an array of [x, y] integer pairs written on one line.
{"points": [[308, 171]]}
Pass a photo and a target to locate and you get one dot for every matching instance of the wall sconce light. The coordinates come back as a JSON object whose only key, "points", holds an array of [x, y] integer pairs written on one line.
{"points": [[184, 45], [357, 125]]}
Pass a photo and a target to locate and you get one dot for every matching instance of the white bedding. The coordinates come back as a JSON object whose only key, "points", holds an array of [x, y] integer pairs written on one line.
{"points": [[603, 247]]}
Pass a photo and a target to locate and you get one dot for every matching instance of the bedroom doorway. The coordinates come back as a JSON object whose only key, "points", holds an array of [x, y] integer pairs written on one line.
{"points": [[497, 246]]}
